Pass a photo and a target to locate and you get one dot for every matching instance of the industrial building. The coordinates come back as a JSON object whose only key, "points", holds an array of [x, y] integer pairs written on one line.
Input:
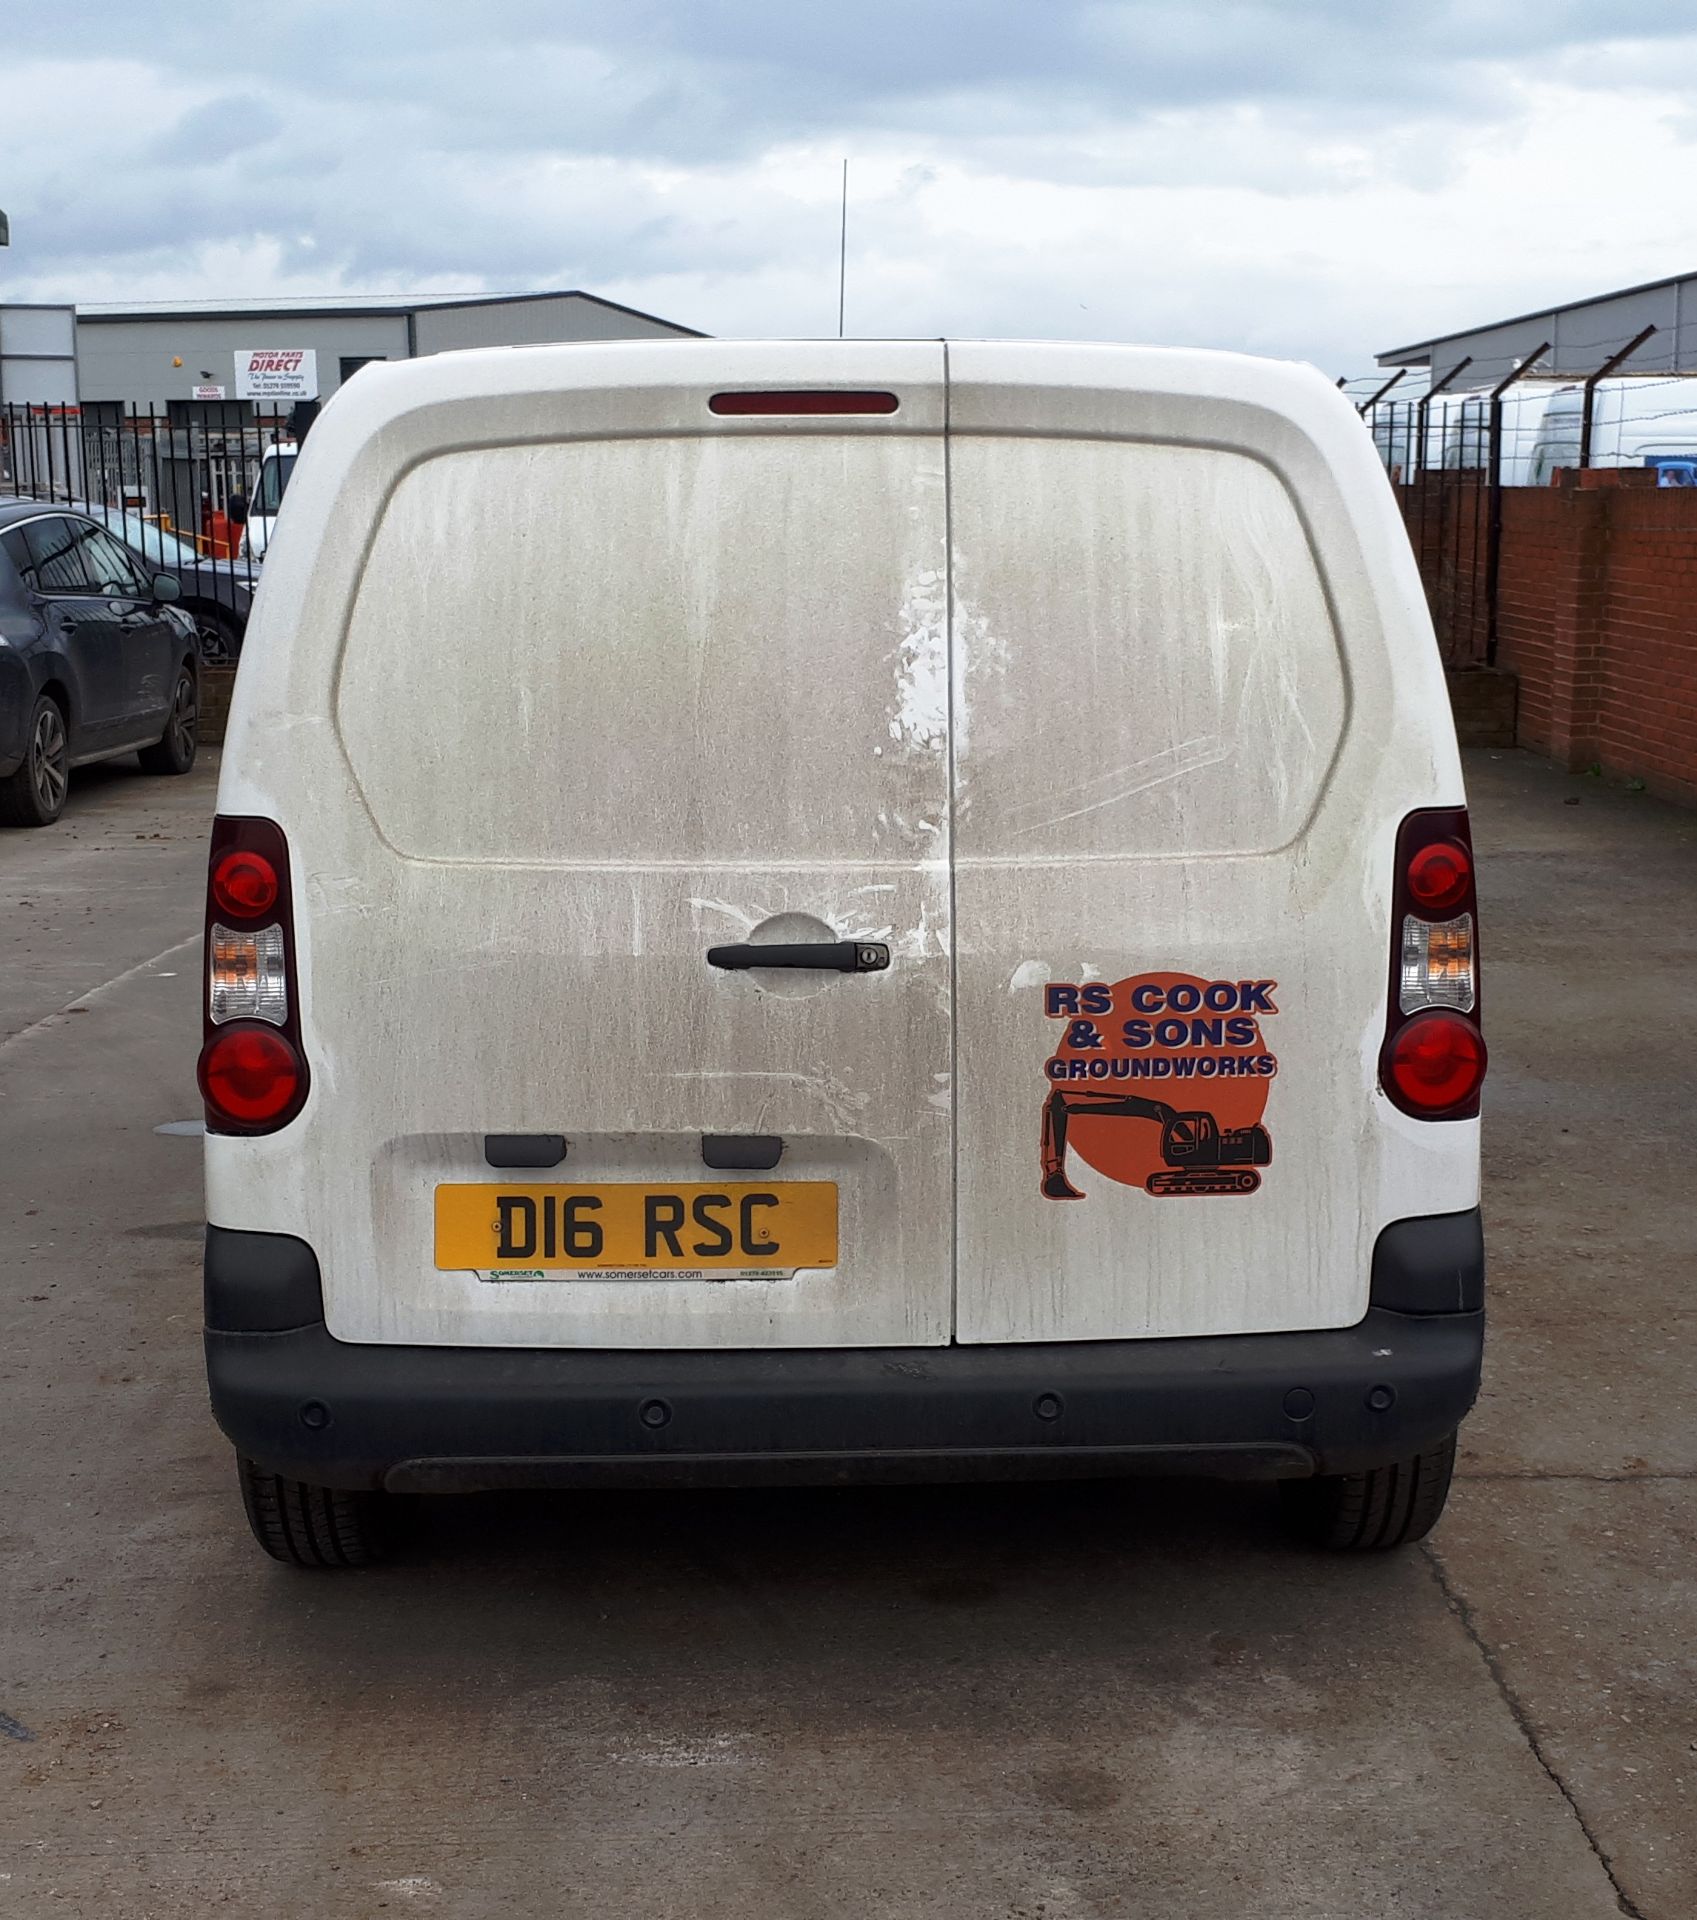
{"points": [[179, 357], [171, 356], [172, 411], [1581, 336], [38, 354]]}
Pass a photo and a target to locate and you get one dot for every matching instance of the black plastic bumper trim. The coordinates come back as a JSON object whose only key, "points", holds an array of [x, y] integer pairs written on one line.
{"points": [[260, 1282], [1432, 1264], [1333, 1401]]}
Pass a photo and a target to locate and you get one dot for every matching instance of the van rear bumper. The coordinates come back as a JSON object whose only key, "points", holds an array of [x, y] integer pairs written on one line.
{"points": [[415, 1419]]}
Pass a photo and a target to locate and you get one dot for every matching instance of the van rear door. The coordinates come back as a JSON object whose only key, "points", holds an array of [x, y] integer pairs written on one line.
{"points": [[1195, 697], [628, 674]]}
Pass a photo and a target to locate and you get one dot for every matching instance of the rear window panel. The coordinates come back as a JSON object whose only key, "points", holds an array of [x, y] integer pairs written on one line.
{"points": [[729, 648], [1148, 657], [58, 561], [683, 649]]}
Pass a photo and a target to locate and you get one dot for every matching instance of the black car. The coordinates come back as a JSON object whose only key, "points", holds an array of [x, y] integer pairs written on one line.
{"points": [[217, 594], [94, 660]]}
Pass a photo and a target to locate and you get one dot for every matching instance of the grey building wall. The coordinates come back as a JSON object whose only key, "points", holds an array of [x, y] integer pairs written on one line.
{"points": [[529, 323], [1582, 337], [123, 359], [38, 355]]}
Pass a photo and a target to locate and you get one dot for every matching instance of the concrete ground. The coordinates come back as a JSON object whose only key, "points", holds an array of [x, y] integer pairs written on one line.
{"points": [[1035, 1702]]}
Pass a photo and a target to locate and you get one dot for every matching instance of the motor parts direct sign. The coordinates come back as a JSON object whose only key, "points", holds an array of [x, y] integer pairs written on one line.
{"points": [[276, 373]]}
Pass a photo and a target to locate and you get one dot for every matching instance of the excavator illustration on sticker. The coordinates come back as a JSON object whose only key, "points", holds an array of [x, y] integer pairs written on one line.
{"points": [[1155, 1030]]}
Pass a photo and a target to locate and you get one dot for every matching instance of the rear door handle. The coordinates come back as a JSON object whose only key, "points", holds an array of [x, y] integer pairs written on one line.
{"points": [[826, 956]]}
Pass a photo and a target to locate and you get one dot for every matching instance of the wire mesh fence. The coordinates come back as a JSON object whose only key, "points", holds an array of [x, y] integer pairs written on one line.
{"points": [[192, 488]]}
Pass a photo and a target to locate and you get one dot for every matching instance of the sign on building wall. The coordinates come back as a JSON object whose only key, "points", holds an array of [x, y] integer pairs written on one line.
{"points": [[199, 392], [276, 373]]}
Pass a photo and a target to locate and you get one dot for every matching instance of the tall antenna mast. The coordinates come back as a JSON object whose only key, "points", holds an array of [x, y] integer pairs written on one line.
{"points": [[842, 254]]}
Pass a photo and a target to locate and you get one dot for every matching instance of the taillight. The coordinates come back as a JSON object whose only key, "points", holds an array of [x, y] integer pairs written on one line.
{"points": [[1436, 1063], [1433, 1061], [253, 1073], [250, 1075], [244, 883], [1439, 875]]}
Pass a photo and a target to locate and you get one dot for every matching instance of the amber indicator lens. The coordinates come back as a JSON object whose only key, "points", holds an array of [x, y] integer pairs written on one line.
{"points": [[1437, 964]]}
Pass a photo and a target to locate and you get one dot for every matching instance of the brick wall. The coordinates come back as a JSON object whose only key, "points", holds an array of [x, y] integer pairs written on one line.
{"points": [[1596, 613], [216, 686], [1646, 722], [1597, 616]]}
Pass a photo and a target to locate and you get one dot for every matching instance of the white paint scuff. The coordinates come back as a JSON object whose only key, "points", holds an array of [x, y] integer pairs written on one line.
{"points": [[919, 713]]}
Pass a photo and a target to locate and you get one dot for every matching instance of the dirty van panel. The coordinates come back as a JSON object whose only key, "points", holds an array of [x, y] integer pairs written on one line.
{"points": [[1150, 663], [1177, 779], [714, 649], [609, 704]]}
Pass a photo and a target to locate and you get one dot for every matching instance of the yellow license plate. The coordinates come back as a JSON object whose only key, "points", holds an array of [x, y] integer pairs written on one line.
{"points": [[619, 1227]]}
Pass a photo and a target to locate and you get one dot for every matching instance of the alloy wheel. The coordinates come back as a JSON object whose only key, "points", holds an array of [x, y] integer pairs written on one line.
{"points": [[48, 758], [215, 648], [183, 716]]}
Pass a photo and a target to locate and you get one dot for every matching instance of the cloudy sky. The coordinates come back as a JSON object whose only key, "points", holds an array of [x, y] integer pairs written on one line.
{"points": [[1319, 178]]}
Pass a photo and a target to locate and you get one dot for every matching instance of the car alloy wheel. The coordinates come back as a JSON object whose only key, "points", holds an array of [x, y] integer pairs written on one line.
{"points": [[184, 713], [214, 641], [48, 760]]}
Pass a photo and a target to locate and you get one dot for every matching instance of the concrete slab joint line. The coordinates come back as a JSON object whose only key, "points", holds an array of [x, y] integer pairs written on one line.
{"points": [[1523, 1720], [99, 992]]}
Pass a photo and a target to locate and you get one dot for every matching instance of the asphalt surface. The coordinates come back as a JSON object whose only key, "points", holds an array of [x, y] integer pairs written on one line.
{"points": [[1033, 1702]]}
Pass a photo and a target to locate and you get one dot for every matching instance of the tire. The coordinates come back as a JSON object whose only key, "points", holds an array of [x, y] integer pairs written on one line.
{"points": [[1370, 1512], [310, 1526], [218, 637], [34, 796], [175, 749]]}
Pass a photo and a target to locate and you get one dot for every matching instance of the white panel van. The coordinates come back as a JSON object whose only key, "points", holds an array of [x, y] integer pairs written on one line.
{"points": [[1637, 420], [276, 469], [833, 910], [1458, 433]]}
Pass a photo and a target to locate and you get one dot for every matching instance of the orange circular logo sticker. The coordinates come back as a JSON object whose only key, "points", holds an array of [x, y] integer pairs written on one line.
{"points": [[1159, 1081]]}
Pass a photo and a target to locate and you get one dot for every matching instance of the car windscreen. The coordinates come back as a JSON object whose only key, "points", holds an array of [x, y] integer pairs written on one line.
{"points": [[143, 537], [155, 542]]}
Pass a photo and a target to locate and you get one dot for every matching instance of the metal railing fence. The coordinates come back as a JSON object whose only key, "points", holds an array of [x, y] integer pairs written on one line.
{"points": [[171, 482]]}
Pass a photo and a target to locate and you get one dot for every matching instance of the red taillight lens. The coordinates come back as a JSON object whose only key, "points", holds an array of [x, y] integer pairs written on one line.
{"points": [[1440, 876], [809, 401], [1433, 1058], [253, 1068], [249, 1075], [1436, 1064], [244, 884]]}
